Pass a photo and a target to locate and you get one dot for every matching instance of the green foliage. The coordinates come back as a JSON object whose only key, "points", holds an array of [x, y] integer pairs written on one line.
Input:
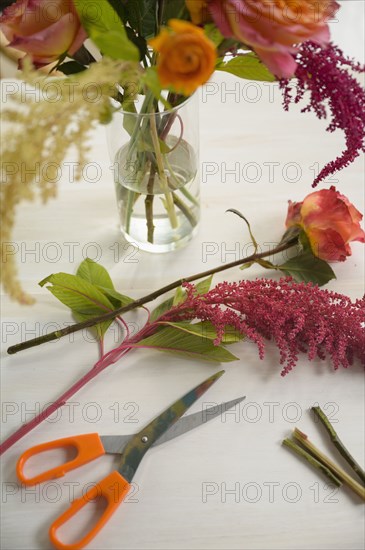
{"points": [[246, 66], [240, 215], [151, 81], [205, 329], [106, 29], [306, 267], [214, 34], [180, 342], [88, 294], [161, 309], [71, 67], [141, 14]]}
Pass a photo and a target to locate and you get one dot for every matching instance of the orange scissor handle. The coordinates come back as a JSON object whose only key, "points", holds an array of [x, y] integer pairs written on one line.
{"points": [[88, 446], [113, 488]]}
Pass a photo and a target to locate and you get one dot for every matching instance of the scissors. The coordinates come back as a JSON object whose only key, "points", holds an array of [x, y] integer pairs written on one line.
{"points": [[114, 488]]}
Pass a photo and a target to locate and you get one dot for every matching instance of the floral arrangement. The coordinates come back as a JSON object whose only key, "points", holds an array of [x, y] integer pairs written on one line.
{"points": [[163, 51], [199, 322]]}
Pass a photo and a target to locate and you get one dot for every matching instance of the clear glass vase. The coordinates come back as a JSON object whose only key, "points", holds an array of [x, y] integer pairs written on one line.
{"points": [[155, 155]]}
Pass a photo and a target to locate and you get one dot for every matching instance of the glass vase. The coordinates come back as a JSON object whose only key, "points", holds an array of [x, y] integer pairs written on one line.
{"points": [[155, 155]]}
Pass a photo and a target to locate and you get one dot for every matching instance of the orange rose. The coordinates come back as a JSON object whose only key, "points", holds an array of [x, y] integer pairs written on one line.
{"points": [[187, 57], [330, 222]]}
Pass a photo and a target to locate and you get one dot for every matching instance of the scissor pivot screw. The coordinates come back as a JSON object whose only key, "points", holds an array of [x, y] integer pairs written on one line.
{"points": [[144, 439]]}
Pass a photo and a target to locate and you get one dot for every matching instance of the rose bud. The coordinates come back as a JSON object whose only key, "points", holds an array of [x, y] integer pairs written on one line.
{"points": [[274, 29], [44, 30], [330, 222]]}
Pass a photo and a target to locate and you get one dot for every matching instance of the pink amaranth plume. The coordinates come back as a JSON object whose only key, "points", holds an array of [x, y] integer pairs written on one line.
{"points": [[324, 72], [299, 317]]}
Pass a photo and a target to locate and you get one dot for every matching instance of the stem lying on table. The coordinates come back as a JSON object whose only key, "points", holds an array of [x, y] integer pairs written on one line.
{"points": [[336, 470], [145, 299], [313, 461], [338, 443]]}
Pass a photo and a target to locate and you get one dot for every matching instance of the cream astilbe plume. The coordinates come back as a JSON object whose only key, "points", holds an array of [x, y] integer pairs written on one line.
{"points": [[39, 134]]}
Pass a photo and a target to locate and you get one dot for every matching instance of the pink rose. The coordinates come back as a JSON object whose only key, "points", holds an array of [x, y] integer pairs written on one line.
{"points": [[274, 28], [44, 30], [330, 222]]}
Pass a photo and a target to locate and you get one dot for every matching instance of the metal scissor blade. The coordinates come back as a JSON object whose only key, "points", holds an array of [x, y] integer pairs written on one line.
{"points": [[191, 421], [139, 444], [115, 444]]}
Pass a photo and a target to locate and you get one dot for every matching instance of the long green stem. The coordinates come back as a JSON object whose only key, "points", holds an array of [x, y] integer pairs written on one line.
{"points": [[145, 299], [338, 443], [163, 178], [149, 205], [184, 209]]}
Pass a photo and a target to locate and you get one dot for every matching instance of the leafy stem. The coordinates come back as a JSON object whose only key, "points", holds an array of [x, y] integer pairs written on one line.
{"points": [[145, 299]]}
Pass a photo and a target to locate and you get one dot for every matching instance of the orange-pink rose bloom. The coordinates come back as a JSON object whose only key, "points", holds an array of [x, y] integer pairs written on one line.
{"points": [[330, 222], [44, 30], [274, 28]]}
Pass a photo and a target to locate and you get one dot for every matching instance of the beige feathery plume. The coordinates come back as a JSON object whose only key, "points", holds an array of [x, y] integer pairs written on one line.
{"points": [[39, 134]]}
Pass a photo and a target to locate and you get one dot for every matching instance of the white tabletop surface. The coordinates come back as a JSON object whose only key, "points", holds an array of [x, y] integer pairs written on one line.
{"points": [[229, 484]]}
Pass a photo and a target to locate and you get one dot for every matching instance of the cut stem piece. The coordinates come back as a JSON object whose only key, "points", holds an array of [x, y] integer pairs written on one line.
{"points": [[162, 175], [336, 470], [184, 209], [312, 461], [338, 443]]}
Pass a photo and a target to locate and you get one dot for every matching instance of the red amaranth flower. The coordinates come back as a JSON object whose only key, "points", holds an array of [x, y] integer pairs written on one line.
{"points": [[299, 317], [324, 72]]}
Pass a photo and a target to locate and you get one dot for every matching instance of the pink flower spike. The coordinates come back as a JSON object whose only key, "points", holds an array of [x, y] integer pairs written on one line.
{"points": [[326, 74], [298, 317]]}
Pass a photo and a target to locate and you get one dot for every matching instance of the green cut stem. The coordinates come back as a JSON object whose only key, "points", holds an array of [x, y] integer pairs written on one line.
{"points": [[184, 209], [163, 178], [149, 205], [338, 443], [312, 461], [336, 470]]}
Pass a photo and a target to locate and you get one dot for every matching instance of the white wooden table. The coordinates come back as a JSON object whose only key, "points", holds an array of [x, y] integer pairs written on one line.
{"points": [[230, 484]]}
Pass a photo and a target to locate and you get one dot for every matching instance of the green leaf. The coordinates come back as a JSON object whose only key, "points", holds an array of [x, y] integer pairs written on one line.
{"points": [[97, 275], [240, 215], [98, 330], [205, 329], [179, 342], [247, 66], [291, 234], [266, 264], [308, 268], [106, 29], [151, 80], [173, 7], [179, 297], [94, 273], [83, 298], [71, 67], [141, 15], [77, 294], [114, 45], [204, 286], [129, 120], [118, 300], [161, 309], [214, 34]]}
